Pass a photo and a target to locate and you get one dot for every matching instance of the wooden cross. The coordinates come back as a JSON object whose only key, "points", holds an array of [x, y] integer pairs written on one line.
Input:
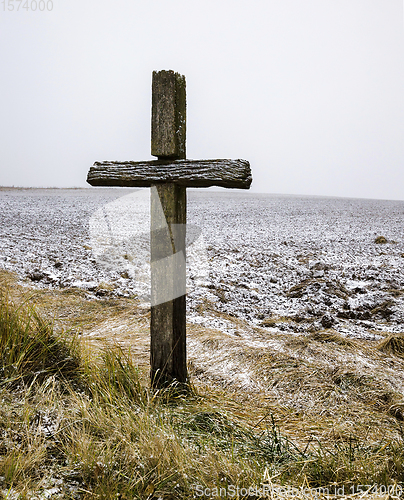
{"points": [[168, 177]]}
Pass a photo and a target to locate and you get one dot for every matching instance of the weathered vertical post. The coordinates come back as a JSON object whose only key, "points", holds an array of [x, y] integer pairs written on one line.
{"points": [[167, 241]]}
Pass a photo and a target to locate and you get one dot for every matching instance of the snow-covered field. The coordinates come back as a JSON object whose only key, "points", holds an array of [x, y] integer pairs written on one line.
{"points": [[285, 263]]}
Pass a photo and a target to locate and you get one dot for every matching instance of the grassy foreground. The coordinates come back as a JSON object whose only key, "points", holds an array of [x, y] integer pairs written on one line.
{"points": [[77, 420]]}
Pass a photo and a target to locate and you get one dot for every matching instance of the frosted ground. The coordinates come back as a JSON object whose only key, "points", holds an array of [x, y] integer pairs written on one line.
{"points": [[288, 264]]}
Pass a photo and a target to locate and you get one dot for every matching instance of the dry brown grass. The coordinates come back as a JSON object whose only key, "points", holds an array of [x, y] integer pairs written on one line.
{"points": [[314, 410], [393, 345]]}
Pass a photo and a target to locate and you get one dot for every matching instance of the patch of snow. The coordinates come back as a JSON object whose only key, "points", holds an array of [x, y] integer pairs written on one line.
{"points": [[258, 247]]}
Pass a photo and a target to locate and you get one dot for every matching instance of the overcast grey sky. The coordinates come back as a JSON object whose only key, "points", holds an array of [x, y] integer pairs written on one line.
{"points": [[311, 92]]}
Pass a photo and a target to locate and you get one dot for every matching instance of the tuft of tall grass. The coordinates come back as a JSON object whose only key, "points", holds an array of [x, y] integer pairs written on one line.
{"points": [[115, 377], [350, 463], [29, 349]]}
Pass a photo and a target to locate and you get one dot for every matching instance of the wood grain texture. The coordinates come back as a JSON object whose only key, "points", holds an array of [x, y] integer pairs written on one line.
{"points": [[188, 173], [168, 124], [168, 285]]}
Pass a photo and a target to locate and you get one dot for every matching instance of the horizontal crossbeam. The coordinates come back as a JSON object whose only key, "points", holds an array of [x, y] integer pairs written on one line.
{"points": [[189, 173]]}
